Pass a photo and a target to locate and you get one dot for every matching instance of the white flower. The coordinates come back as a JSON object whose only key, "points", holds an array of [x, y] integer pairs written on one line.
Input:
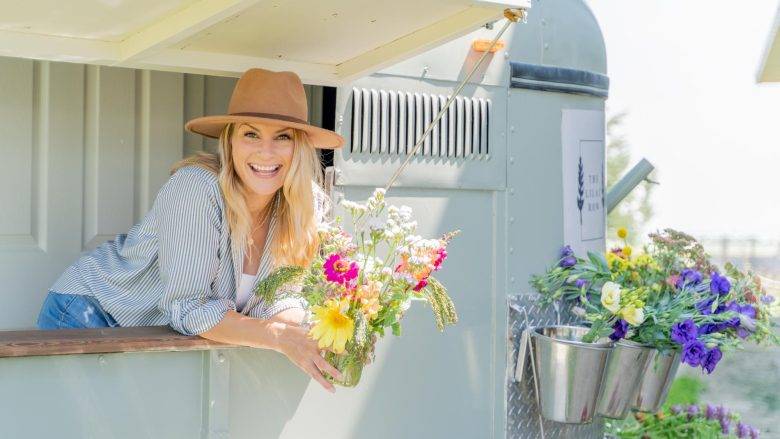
{"points": [[376, 224], [610, 296], [377, 199], [353, 206], [405, 305]]}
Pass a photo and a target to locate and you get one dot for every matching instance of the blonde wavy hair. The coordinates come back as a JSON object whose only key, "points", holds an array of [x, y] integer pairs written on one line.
{"points": [[295, 240]]}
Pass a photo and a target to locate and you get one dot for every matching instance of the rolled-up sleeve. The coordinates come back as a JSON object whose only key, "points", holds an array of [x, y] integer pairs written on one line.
{"points": [[188, 222], [286, 297]]}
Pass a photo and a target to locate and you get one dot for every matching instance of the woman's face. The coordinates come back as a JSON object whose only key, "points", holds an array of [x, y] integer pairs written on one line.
{"points": [[261, 156]]}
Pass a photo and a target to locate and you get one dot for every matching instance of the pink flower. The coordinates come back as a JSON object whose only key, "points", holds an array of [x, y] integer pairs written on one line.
{"points": [[420, 285], [340, 270], [442, 255]]}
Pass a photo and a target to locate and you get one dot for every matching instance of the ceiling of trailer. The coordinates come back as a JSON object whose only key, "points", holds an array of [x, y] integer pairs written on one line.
{"points": [[325, 42]]}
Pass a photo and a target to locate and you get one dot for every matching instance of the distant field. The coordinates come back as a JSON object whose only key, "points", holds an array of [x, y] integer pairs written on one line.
{"points": [[748, 383]]}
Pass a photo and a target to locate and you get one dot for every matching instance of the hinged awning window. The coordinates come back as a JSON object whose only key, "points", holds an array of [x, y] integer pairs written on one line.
{"points": [[326, 43]]}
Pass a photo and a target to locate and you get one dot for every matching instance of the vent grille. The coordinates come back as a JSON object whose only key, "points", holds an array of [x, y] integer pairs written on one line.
{"points": [[391, 122]]}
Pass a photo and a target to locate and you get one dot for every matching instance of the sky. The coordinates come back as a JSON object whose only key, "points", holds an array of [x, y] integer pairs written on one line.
{"points": [[685, 71]]}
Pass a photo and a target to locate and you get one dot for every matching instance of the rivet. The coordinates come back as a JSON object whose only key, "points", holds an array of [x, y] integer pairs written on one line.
{"points": [[544, 22], [101, 360], [511, 159], [512, 279], [511, 249], [511, 191], [511, 219], [546, 46], [221, 358], [512, 128], [506, 55]]}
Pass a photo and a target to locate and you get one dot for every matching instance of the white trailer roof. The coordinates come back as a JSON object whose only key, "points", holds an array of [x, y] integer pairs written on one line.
{"points": [[325, 42], [769, 70]]}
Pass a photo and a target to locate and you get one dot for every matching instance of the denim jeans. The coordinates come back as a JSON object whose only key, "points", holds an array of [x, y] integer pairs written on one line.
{"points": [[61, 311]]}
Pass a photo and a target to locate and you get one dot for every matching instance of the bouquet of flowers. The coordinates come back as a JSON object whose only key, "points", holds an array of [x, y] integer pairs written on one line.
{"points": [[670, 297], [362, 283]]}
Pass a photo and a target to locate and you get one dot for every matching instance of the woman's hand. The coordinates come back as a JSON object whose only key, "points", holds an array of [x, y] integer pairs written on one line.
{"points": [[303, 352], [289, 339]]}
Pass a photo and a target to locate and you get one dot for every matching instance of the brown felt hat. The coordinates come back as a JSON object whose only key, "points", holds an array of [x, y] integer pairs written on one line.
{"points": [[271, 97]]}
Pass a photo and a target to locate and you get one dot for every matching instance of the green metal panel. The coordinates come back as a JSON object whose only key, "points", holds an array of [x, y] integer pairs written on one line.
{"points": [[141, 395], [424, 383]]}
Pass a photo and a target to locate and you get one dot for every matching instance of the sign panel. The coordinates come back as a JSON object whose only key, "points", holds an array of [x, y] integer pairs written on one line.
{"points": [[584, 216]]}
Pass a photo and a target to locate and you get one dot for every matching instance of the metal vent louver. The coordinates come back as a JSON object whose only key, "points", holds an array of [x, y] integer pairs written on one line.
{"points": [[391, 122]]}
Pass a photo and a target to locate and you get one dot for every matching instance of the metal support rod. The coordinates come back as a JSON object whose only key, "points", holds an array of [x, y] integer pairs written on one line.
{"points": [[512, 15], [622, 188]]}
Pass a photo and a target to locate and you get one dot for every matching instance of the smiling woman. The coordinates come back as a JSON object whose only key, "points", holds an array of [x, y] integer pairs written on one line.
{"points": [[218, 226]]}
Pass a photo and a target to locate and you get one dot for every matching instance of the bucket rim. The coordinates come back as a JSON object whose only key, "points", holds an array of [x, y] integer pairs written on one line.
{"points": [[605, 345], [634, 345]]}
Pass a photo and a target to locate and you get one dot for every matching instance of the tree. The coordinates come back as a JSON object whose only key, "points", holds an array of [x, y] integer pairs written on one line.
{"points": [[636, 209]]}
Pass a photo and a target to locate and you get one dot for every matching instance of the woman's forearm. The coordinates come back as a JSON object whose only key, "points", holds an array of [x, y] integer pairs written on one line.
{"points": [[238, 329]]}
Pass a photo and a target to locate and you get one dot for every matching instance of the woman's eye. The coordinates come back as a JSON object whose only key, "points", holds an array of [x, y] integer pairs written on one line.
{"points": [[251, 134], [285, 136]]}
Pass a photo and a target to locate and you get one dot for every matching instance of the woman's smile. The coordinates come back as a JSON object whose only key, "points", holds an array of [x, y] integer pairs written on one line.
{"points": [[265, 171]]}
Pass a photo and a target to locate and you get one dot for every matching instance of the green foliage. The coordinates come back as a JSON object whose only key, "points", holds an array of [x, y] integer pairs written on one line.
{"points": [[443, 308], [685, 390], [280, 277]]}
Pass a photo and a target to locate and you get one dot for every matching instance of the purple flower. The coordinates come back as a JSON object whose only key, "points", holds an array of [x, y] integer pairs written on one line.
{"points": [[709, 328], [676, 409], [620, 329], [719, 285], [566, 251], [688, 277], [693, 411], [721, 413], [743, 430], [725, 425], [705, 306], [693, 353], [754, 433], [766, 299], [710, 412], [568, 262], [581, 283], [746, 310], [711, 359], [684, 332]]}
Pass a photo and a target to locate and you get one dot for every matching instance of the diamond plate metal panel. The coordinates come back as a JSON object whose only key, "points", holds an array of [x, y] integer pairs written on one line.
{"points": [[522, 412]]}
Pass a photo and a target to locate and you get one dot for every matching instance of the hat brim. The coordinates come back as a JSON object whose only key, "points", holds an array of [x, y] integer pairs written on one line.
{"points": [[212, 126]]}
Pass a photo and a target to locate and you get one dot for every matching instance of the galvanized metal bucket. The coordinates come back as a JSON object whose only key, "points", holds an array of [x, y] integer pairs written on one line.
{"points": [[623, 376], [568, 372], [658, 379]]}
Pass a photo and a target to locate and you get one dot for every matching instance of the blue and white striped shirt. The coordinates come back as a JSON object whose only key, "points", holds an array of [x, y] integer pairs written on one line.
{"points": [[176, 266]]}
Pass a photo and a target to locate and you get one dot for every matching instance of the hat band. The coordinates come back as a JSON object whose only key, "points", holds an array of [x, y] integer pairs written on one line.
{"points": [[273, 116]]}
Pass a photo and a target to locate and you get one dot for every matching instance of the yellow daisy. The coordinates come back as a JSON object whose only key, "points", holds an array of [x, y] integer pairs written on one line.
{"points": [[332, 327]]}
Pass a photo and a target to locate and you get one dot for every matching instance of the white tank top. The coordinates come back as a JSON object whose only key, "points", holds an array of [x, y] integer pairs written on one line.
{"points": [[244, 290]]}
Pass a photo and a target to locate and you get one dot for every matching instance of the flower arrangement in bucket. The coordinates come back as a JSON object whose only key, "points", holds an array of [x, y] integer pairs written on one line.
{"points": [[356, 291], [670, 299]]}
